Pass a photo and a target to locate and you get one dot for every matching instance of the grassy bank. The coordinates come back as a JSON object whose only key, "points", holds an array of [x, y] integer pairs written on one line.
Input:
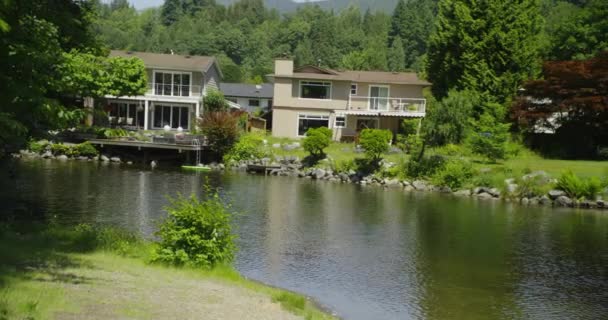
{"points": [[54, 272]]}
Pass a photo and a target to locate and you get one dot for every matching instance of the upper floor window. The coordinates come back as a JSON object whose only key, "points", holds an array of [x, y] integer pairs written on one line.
{"points": [[172, 84], [353, 89], [315, 90]]}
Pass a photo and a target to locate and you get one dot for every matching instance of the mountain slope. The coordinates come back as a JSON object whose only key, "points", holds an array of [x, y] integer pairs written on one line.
{"points": [[337, 5]]}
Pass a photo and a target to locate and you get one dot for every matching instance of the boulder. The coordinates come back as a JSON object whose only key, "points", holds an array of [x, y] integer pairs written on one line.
{"points": [[564, 201], [554, 194], [534, 201], [104, 158], [601, 204], [276, 145], [408, 188], [494, 192], [47, 154], [420, 185], [463, 193], [62, 157], [343, 177], [318, 173], [485, 195], [392, 183], [524, 201], [444, 189], [512, 188], [83, 158], [115, 159], [544, 200]]}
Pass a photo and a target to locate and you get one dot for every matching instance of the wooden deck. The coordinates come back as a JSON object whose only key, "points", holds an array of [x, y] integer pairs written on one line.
{"points": [[146, 145]]}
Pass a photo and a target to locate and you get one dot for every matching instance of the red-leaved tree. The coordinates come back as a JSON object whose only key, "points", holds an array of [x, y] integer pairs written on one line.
{"points": [[571, 102]]}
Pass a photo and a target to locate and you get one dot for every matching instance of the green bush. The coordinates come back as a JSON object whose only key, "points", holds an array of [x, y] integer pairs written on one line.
{"points": [[425, 167], [375, 142], [490, 138], [453, 150], [221, 130], [343, 166], [60, 149], [196, 233], [316, 140], [535, 186], [249, 146], [454, 174], [576, 187], [37, 146], [85, 149], [413, 144], [114, 133], [215, 102], [409, 126], [447, 121]]}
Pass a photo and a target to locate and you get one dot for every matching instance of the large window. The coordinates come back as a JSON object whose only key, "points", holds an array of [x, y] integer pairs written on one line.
{"points": [[306, 122], [172, 116], [126, 113], [172, 84], [315, 90]]}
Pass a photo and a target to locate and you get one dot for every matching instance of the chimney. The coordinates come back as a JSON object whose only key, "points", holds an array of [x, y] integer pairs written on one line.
{"points": [[283, 67]]}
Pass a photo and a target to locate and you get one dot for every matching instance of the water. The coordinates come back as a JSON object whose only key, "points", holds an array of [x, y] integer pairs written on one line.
{"points": [[365, 253]]}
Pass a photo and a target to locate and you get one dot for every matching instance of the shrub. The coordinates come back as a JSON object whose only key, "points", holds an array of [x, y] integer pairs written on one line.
{"points": [[447, 121], [454, 174], [534, 186], [38, 146], [248, 147], [316, 140], [343, 166], [60, 149], [85, 149], [196, 233], [115, 133], [221, 131], [375, 142], [576, 187], [413, 144], [426, 166], [453, 150], [490, 138], [215, 102], [409, 126]]}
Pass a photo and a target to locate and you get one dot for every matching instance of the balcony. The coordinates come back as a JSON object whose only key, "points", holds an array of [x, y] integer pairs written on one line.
{"points": [[173, 90], [407, 107]]}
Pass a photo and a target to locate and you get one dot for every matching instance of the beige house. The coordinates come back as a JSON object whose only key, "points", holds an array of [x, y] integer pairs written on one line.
{"points": [[177, 85], [344, 101]]}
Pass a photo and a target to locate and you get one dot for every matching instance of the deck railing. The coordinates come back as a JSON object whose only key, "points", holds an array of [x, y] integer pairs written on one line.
{"points": [[382, 104], [174, 90]]}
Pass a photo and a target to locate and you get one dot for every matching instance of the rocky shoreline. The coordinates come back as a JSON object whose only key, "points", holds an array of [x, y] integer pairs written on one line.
{"points": [[292, 166]]}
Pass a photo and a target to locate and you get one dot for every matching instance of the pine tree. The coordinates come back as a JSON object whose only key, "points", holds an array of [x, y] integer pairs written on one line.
{"points": [[489, 47], [396, 56], [412, 22]]}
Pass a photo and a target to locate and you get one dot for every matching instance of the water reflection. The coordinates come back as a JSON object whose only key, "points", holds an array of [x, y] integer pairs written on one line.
{"points": [[367, 253]]}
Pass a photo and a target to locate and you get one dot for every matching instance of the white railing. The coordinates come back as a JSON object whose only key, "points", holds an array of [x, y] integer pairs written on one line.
{"points": [[174, 90], [401, 105]]}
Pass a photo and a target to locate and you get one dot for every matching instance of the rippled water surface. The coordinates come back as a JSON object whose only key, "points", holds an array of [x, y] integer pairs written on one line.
{"points": [[365, 253]]}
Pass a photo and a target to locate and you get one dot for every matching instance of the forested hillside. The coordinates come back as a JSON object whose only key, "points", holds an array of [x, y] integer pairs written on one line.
{"points": [[289, 5]]}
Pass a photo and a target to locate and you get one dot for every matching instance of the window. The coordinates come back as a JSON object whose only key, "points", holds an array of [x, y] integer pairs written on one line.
{"points": [[306, 122], [172, 84], [172, 116], [340, 122], [254, 103], [353, 89], [315, 90], [123, 113]]}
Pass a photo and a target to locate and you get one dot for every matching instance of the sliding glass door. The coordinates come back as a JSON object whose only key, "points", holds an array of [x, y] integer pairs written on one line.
{"points": [[378, 98]]}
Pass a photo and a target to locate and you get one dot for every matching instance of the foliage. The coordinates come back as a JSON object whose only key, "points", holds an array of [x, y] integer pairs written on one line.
{"points": [[214, 101], [60, 149], [571, 101], [488, 47], [316, 140], [413, 144], [221, 130], [396, 56], [409, 126], [425, 166], [114, 133], [454, 174], [447, 121], [38, 146], [249, 146], [411, 26], [454, 150], [490, 138], [343, 166], [533, 186], [576, 187], [375, 142], [85, 149], [196, 233]]}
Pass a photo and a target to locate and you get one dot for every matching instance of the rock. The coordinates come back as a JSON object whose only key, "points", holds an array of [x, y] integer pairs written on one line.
{"points": [[62, 157], [392, 183], [524, 201], [289, 147], [153, 164], [512, 188], [588, 204], [479, 190], [265, 161], [221, 166], [104, 158], [405, 183], [510, 181], [564, 201], [463, 193], [276, 145], [296, 144], [318, 173], [408, 188], [554, 194], [534, 201], [83, 158], [47, 154], [362, 182], [444, 189], [485, 195], [344, 177], [115, 159], [420, 185], [494, 192], [600, 204], [544, 200]]}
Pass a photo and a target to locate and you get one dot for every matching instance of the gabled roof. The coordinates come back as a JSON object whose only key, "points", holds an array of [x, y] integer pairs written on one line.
{"points": [[170, 61], [314, 69], [245, 90]]}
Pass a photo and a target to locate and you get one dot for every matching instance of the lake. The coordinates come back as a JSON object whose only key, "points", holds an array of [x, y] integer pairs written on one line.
{"points": [[362, 252]]}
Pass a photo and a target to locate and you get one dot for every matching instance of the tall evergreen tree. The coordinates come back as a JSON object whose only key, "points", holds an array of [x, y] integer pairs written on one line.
{"points": [[412, 21], [486, 46], [396, 56]]}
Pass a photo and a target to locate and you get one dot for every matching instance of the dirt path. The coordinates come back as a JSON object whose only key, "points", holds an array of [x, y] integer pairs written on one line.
{"points": [[102, 288]]}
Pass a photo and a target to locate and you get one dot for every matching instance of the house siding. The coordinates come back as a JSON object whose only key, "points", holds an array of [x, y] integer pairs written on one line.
{"points": [[212, 79]]}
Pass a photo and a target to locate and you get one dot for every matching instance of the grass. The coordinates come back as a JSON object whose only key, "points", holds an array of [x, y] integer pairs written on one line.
{"points": [[48, 272]]}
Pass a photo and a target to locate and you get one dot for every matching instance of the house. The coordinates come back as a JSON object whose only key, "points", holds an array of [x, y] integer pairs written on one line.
{"points": [[250, 97], [177, 85], [344, 101]]}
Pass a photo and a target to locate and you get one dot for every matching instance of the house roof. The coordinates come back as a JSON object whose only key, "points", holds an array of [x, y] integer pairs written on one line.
{"points": [[246, 90], [312, 72], [169, 61]]}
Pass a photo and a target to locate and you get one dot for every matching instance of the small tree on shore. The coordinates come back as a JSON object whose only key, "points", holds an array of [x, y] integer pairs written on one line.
{"points": [[221, 131], [375, 142], [317, 139], [490, 138]]}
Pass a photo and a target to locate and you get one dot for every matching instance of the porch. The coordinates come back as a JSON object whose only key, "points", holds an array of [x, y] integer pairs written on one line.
{"points": [[382, 104], [143, 114]]}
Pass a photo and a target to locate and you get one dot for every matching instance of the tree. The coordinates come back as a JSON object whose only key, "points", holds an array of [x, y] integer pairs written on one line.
{"points": [[396, 56], [316, 140], [571, 101], [488, 47], [214, 101], [412, 24], [221, 130], [447, 121], [375, 142], [490, 138]]}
